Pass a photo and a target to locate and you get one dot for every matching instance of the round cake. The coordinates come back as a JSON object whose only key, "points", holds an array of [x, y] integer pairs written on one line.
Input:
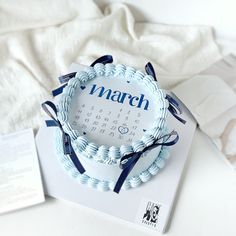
{"points": [[115, 118]]}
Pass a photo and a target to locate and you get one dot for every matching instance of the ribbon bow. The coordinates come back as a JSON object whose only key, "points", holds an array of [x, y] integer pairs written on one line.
{"points": [[174, 107], [65, 78], [128, 162], [67, 146]]}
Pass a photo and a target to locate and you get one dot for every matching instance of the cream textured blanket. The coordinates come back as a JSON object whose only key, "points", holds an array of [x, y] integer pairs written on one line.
{"points": [[40, 39]]}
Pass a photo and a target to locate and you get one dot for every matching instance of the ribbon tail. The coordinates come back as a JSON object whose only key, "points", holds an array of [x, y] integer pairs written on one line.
{"points": [[59, 90], [51, 123], [69, 150], [124, 174], [76, 162], [177, 117]]}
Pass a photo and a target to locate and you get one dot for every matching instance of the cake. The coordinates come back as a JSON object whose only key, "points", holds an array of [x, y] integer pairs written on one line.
{"points": [[112, 132]]}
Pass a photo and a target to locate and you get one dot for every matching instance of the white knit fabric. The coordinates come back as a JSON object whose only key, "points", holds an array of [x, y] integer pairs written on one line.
{"points": [[40, 39]]}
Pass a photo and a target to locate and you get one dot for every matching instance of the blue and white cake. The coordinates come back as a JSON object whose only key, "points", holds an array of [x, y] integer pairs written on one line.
{"points": [[112, 131]]}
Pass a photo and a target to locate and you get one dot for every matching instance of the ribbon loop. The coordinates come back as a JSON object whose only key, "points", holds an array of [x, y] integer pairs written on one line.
{"points": [[51, 105], [150, 70], [174, 108], [66, 140], [128, 161], [103, 59]]}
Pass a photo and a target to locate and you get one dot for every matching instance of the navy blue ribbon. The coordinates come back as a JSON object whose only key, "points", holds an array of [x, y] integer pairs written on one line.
{"points": [[103, 59], [128, 162], [66, 140], [65, 78], [150, 70], [174, 108], [59, 90]]}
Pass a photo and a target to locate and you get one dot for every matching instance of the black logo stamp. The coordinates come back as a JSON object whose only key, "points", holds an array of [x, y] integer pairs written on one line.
{"points": [[150, 217]]}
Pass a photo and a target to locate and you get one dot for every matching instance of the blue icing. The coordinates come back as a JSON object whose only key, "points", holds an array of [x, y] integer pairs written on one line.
{"points": [[81, 143], [126, 149], [145, 176], [91, 149], [62, 116], [129, 73], [92, 182], [83, 179], [120, 69], [111, 185], [74, 173], [151, 85], [114, 152], [99, 68], [138, 145], [156, 132], [69, 90], [103, 186], [65, 97], [82, 76], [126, 185], [109, 69], [110, 161], [91, 73], [63, 104], [148, 139], [98, 157], [103, 151], [165, 154], [74, 83], [139, 75], [153, 169], [148, 79], [160, 162], [74, 134], [135, 181], [68, 165]]}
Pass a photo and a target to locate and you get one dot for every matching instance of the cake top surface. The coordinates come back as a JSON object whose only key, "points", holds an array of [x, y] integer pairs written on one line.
{"points": [[112, 110]]}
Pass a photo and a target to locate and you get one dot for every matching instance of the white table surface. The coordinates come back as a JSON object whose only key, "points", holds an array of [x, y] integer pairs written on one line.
{"points": [[206, 205]]}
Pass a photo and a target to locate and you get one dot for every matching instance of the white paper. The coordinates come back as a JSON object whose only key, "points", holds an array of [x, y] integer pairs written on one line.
{"points": [[20, 180]]}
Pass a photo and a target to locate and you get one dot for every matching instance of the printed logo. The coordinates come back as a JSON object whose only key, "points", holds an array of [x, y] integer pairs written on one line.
{"points": [[150, 216]]}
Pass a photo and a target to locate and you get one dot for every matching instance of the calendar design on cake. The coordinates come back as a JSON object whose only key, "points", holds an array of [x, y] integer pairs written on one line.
{"points": [[100, 122], [108, 122]]}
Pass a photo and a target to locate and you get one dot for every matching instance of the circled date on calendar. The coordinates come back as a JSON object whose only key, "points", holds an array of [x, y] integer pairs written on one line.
{"points": [[116, 127]]}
